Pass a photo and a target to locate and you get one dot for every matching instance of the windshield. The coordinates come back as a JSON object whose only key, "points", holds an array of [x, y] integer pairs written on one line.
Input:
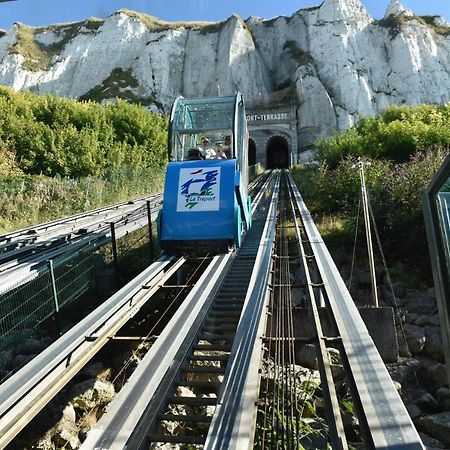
{"points": [[202, 129], [204, 145]]}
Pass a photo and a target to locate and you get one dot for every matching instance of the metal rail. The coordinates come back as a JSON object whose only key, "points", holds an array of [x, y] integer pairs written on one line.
{"points": [[335, 424], [232, 426], [28, 267], [384, 420], [201, 330], [24, 252], [60, 227], [31, 388], [220, 324], [120, 422]]}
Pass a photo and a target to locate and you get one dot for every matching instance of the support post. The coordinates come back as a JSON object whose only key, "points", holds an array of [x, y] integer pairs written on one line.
{"points": [[368, 234], [55, 294], [114, 250], [150, 231]]}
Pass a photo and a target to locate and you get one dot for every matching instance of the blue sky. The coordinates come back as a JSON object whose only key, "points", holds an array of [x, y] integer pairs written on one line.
{"points": [[45, 12]]}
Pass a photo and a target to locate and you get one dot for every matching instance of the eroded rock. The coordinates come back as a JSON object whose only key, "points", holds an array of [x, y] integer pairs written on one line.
{"points": [[91, 393]]}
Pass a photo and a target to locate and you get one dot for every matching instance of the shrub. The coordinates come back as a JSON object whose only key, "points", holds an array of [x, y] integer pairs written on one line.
{"points": [[54, 136], [397, 134], [395, 192]]}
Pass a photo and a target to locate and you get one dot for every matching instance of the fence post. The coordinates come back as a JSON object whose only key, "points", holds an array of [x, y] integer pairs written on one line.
{"points": [[150, 230], [55, 293], [114, 250]]}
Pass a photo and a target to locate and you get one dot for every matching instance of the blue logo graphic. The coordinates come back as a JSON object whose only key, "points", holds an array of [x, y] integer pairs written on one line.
{"points": [[205, 193]]}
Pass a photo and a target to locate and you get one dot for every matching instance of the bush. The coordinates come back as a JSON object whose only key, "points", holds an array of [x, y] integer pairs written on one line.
{"points": [[61, 156], [54, 136], [395, 192], [396, 135]]}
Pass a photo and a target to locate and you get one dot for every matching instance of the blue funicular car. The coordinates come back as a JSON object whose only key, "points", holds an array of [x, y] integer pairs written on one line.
{"points": [[206, 203]]}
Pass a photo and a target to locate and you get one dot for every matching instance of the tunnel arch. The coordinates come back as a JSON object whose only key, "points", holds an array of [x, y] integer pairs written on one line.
{"points": [[251, 152], [277, 153]]}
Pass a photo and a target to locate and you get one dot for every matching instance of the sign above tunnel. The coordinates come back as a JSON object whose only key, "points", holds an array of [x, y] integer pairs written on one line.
{"points": [[269, 117]]}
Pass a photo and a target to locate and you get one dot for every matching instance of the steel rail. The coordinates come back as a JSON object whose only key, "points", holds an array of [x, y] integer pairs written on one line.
{"points": [[15, 273], [233, 423], [88, 223], [31, 267], [33, 231], [385, 420], [261, 188], [11, 275], [129, 418], [72, 224], [332, 411], [124, 424], [24, 394]]}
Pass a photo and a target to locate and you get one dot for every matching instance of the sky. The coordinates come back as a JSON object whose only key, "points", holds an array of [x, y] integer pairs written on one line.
{"points": [[46, 12]]}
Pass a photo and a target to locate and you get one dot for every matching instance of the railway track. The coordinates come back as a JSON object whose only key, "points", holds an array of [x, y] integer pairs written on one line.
{"points": [[24, 253], [203, 372]]}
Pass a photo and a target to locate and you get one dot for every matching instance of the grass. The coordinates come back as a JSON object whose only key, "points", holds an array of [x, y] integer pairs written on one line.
{"points": [[154, 24], [38, 56], [118, 85], [35, 58], [29, 200], [395, 24], [429, 22]]}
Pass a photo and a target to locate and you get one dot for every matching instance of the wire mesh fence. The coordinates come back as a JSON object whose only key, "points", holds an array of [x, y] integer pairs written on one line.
{"points": [[56, 285], [27, 305]]}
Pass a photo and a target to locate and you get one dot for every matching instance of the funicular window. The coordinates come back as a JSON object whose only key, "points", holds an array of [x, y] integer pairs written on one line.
{"points": [[443, 207], [436, 202], [194, 119]]}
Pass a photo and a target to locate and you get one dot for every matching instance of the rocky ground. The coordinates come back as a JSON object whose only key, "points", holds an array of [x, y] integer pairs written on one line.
{"points": [[420, 372]]}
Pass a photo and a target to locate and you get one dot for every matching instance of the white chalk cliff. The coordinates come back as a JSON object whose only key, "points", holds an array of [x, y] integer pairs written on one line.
{"points": [[338, 61]]}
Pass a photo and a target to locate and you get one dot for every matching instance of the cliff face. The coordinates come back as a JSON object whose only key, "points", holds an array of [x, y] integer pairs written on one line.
{"points": [[341, 62]]}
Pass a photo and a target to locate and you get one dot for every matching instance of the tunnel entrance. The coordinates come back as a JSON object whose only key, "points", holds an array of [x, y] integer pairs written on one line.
{"points": [[251, 152], [277, 153]]}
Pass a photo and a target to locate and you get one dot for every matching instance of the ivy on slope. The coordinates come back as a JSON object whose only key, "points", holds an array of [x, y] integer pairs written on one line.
{"points": [[54, 136]]}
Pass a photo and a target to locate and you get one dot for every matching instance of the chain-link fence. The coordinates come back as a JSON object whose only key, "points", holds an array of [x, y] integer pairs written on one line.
{"points": [[56, 285], [27, 305]]}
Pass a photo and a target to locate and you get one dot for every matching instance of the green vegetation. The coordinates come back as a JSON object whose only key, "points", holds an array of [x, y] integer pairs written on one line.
{"points": [[58, 157], [395, 24], [38, 56], [31, 199], [35, 57], [119, 84], [405, 147], [299, 55], [429, 21], [397, 134], [155, 24]]}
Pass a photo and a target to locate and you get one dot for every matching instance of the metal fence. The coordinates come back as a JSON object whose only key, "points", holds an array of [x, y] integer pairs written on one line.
{"points": [[59, 283], [54, 286]]}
